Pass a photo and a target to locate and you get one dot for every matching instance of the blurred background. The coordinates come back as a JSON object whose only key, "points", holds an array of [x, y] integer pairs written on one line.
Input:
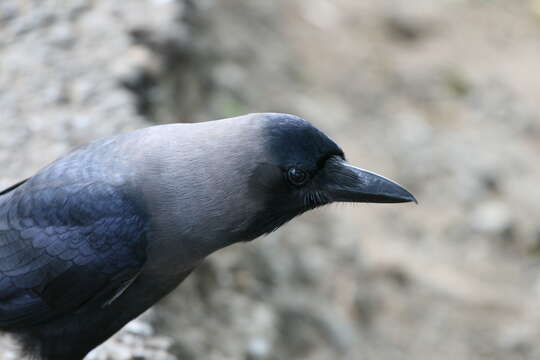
{"points": [[442, 96]]}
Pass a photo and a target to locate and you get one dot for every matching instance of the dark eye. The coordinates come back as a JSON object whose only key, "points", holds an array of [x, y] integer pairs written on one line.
{"points": [[297, 176]]}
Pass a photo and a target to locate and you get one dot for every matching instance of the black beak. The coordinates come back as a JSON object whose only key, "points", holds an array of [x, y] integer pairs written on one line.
{"points": [[346, 183]]}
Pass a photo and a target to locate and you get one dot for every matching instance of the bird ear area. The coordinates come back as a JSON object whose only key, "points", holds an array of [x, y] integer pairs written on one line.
{"points": [[269, 177]]}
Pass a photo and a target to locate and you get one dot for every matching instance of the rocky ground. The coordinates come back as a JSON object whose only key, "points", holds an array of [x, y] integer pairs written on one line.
{"points": [[441, 96]]}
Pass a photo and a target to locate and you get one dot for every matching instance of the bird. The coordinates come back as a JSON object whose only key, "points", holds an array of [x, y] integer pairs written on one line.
{"points": [[98, 236]]}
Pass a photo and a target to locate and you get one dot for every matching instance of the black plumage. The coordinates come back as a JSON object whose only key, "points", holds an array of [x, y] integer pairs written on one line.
{"points": [[68, 245]]}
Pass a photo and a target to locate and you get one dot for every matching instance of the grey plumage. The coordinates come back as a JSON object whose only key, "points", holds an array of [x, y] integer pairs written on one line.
{"points": [[100, 235]]}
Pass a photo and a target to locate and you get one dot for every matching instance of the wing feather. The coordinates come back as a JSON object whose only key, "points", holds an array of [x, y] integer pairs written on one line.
{"points": [[63, 249]]}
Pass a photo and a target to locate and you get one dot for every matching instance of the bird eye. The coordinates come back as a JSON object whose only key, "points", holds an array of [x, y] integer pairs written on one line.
{"points": [[297, 176]]}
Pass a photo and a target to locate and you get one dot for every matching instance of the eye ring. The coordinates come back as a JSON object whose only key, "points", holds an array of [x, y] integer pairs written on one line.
{"points": [[297, 177]]}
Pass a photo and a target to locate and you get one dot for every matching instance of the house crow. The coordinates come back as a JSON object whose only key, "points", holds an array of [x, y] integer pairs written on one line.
{"points": [[98, 236]]}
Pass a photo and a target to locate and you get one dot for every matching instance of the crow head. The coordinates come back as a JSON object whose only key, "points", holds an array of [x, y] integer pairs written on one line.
{"points": [[301, 168]]}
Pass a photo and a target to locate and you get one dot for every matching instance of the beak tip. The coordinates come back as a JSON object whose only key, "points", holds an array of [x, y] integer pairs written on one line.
{"points": [[408, 197], [404, 199], [399, 194]]}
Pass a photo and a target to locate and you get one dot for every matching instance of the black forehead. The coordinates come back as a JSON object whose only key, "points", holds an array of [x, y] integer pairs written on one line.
{"points": [[291, 140]]}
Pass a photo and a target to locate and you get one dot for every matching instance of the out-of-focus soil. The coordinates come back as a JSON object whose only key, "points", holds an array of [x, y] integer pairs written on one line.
{"points": [[441, 96]]}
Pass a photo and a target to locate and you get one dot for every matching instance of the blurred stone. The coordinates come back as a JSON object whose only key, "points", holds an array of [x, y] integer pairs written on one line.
{"points": [[8, 348], [57, 94], [62, 36], [229, 76], [367, 304], [404, 28], [258, 349], [304, 328], [322, 13], [457, 83], [491, 181], [493, 218], [405, 23], [518, 339], [256, 275], [182, 352], [206, 278], [394, 274], [7, 12], [139, 328], [76, 8], [37, 20]]}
